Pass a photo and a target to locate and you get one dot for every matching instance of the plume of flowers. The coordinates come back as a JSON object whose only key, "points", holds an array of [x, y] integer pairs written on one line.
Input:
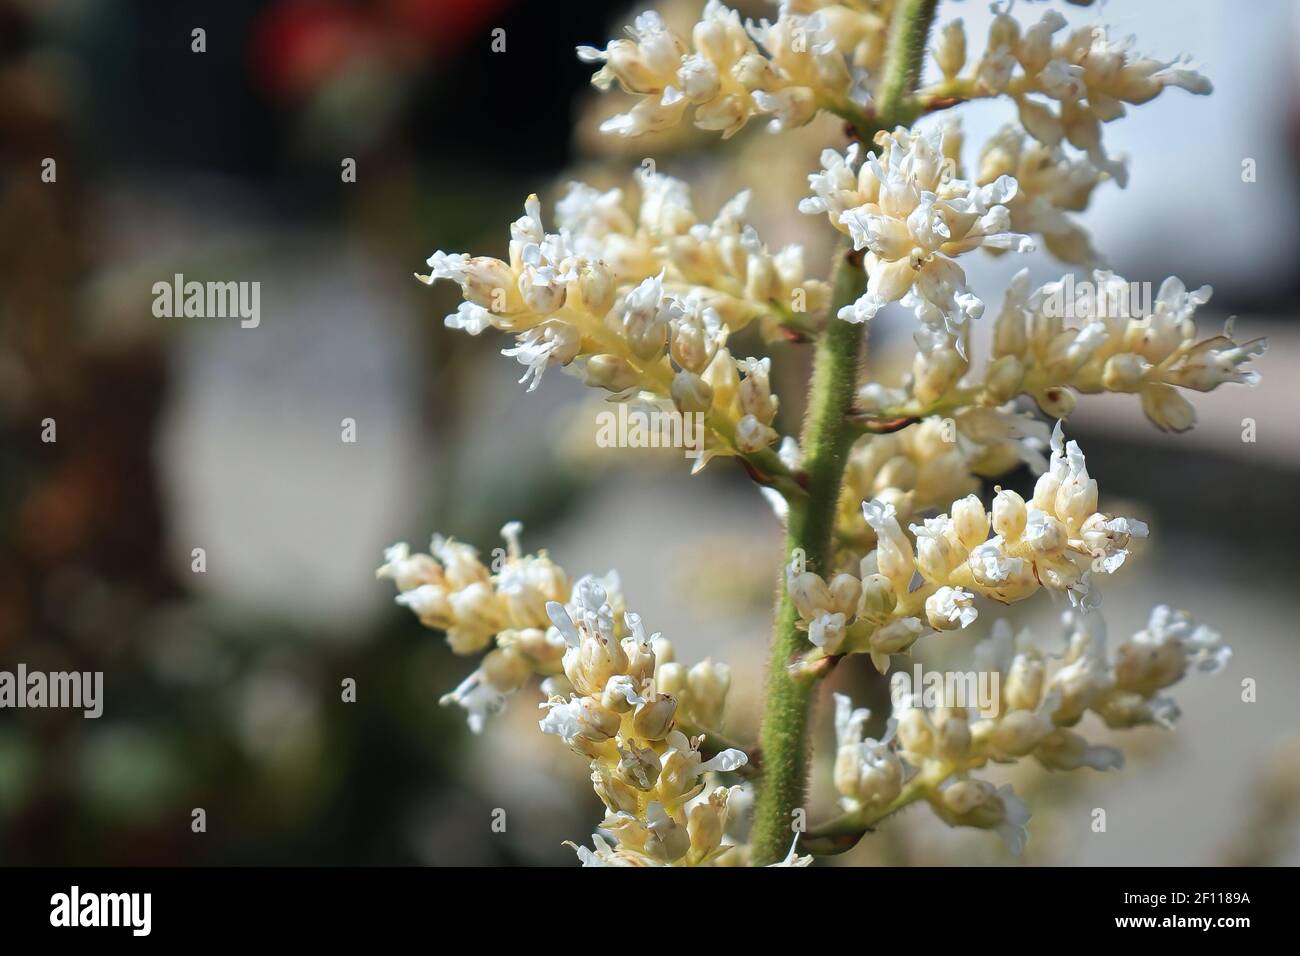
{"points": [[932, 749], [889, 539]]}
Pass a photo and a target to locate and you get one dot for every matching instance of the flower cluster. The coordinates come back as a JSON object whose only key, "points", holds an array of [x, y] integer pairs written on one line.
{"points": [[905, 207], [730, 72], [1122, 343], [451, 590], [642, 306], [930, 464], [1086, 73], [642, 302], [929, 752], [616, 695], [1106, 335], [1056, 541], [1050, 186]]}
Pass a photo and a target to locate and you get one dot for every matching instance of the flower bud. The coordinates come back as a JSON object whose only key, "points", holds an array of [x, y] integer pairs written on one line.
{"points": [[1004, 377], [654, 719], [950, 50], [691, 393], [671, 678], [1167, 408], [505, 669], [610, 372], [1009, 515], [1124, 372], [708, 682], [878, 599], [970, 521], [1056, 401]]}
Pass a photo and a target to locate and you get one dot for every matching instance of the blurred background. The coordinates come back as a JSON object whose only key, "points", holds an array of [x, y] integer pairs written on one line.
{"points": [[222, 688]]}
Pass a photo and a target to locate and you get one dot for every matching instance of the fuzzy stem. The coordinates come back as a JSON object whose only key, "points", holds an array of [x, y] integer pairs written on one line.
{"points": [[826, 439], [825, 444]]}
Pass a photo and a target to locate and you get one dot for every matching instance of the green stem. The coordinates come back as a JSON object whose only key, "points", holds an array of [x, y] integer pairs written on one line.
{"points": [[811, 518], [826, 439]]}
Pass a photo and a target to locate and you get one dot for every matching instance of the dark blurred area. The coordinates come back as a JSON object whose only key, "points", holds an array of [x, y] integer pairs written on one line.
{"points": [[222, 687], [255, 732]]}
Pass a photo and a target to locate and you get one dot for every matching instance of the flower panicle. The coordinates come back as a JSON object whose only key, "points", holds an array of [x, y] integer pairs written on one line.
{"points": [[615, 694]]}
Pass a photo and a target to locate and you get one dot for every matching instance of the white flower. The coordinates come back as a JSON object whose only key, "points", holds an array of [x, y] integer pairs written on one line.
{"points": [[1015, 817], [913, 218], [991, 566], [551, 343], [950, 607], [793, 858], [478, 698]]}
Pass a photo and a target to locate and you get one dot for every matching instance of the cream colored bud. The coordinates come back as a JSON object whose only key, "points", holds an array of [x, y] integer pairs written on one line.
{"points": [[953, 742], [621, 694], [1004, 31], [708, 683], [544, 652], [845, 591], [597, 286], [1056, 401], [654, 719], [1009, 515], [1076, 501], [972, 803], [671, 678], [1004, 378], [692, 346], [595, 722], [936, 373], [755, 72], [691, 393], [706, 823], [1167, 408], [970, 521], [809, 592], [505, 669], [1023, 688], [935, 557], [949, 609], [915, 733], [1147, 668], [761, 283], [542, 297], [594, 663], [478, 607], [485, 279], [878, 599], [950, 50], [615, 792], [724, 379], [1124, 372], [663, 649], [1019, 732], [879, 775], [610, 372]]}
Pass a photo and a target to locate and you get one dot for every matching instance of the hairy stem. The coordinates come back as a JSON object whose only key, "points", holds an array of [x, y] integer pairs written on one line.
{"points": [[825, 444], [826, 439]]}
